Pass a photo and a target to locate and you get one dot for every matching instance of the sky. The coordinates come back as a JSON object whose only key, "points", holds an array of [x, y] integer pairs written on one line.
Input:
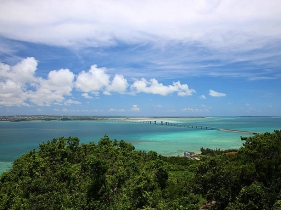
{"points": [[140, 58]]}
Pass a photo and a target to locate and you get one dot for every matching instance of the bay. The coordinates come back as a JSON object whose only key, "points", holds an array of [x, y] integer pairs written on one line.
{"points": [[17, 138]]}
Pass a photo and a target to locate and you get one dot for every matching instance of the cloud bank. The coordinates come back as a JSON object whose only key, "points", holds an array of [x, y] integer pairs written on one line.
{"points": [[182, 36], [21, 87], [103, 23]]}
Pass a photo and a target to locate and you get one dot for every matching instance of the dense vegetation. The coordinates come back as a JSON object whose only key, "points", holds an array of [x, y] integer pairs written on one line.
{"points": [[64, 174]]}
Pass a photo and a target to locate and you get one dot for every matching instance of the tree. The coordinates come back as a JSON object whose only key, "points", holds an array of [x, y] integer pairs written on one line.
{"points": [[251, 197], [60, 174], [251, 179], [264, 150]]}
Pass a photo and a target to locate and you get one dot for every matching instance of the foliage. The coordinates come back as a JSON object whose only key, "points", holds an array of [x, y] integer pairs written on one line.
{"points": [[211, 152], [250, 179], [61, 174]]}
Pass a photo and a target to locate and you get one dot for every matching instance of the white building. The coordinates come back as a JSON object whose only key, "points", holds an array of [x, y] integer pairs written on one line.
{"points": [[187, 154]]}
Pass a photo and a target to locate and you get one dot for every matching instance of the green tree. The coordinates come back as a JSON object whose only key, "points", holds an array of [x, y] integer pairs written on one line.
{"points": [[264, 150], [251, 197]]}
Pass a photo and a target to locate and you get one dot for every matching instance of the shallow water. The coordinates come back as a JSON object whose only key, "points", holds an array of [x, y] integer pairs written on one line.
{"points": [[17, 138]]}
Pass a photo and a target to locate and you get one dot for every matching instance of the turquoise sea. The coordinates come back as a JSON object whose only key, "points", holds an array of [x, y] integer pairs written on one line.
{"points": [[17, 138]]}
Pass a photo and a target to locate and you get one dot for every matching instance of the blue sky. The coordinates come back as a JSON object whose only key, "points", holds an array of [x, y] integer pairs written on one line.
{"points": [[140, 58]]}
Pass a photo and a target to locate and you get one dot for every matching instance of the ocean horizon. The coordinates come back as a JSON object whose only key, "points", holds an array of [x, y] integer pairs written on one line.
{"points": [[169, 136]]}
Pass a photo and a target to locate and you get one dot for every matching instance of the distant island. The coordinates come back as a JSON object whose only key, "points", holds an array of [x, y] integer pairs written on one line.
{"points": [[19, 118]]}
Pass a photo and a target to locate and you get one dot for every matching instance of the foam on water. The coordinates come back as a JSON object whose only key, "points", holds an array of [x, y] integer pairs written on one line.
{"points": [[5, 166]]}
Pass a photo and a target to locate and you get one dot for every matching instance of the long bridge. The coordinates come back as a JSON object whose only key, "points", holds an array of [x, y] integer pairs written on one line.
{"points": [[185, 126]]}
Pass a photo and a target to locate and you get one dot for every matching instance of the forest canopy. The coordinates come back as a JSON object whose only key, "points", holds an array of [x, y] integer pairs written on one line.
{"points": [[111, 174]]}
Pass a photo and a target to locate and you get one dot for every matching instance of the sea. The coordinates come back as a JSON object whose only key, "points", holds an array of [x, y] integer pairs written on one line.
{"points": [[169, 136]]}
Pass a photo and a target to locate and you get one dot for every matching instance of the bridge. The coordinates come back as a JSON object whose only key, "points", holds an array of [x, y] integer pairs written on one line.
{"points": [[186, 126]]}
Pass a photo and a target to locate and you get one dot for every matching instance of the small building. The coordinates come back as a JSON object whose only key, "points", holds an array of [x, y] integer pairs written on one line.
{"points": [[187, 154]]}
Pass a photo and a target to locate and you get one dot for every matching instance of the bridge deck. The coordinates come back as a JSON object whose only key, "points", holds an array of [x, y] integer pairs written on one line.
{"points": [[188, 126]]}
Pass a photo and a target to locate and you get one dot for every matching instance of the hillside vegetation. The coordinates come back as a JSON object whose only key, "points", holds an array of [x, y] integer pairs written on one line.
{"points": [[64, 174]]}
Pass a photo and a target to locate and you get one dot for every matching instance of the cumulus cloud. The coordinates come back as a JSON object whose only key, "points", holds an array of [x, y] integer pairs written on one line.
{"points": [[53, 89], [96, 80], [154, 87], [12, 94], [202, 97], [119, 84], [86, 95], [20, 86], [70, 101], [92, 81], [216, 94], [14, 81], [21, 73], [135, 108]]}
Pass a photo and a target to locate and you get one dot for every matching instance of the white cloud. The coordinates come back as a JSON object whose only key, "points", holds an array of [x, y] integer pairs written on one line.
{"points": [[227, 29], [183, 89], [14, 81], [154, 87], [70, 101], [53, 89], [86, 95], [24, 71], [92, 81], [203, 97], [135, 108], [216, 94], [116, 110], [61, 79], [12, 94], [188, 109], [101, 23], [255, 78], [119, 84], [78, 110], [19, 85], [20, 73], [96, 80]]}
